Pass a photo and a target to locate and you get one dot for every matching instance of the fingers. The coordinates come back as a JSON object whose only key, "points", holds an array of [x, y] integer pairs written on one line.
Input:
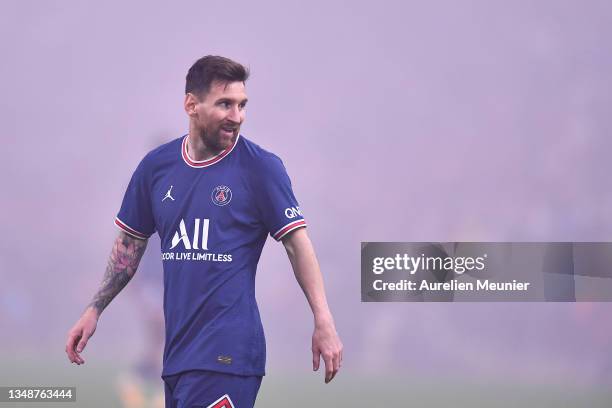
{"points": [[83, 342], [73, 338], [327, 345], [79, 335], [71, 344], [336, 362], [333, 362], [335, 367], [316, 359], [329, 367]]}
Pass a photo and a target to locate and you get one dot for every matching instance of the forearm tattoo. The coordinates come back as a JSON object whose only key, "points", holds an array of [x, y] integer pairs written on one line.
{"points": [[122, 265]]}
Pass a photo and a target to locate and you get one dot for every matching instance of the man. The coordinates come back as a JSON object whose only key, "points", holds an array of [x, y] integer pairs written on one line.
{"points": [[213, 196]]}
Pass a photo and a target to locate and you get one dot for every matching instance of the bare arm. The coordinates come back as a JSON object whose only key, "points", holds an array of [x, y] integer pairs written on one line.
{"points": [[122, 264], [325, 340]]}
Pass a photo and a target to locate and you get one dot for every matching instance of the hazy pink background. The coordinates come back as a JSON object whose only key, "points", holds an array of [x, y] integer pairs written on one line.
{"points": [[437, 120]]}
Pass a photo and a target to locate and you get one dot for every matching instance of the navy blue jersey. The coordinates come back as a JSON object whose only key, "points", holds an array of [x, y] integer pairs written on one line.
{"points": [[213, 218]]}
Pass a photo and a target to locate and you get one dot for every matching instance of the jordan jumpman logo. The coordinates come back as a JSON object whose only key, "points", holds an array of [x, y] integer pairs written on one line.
{"points": [[168, 194]]}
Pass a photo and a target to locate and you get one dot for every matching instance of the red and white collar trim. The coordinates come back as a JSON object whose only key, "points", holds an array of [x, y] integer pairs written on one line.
{"points": [[207, 162]]}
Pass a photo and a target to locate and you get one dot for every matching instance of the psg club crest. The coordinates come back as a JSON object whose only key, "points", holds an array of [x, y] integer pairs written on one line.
{"points": [[221, 195]]}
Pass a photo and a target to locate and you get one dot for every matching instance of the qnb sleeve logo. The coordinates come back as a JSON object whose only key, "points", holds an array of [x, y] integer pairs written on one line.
{"points": [[293, 212], [199, 239]]}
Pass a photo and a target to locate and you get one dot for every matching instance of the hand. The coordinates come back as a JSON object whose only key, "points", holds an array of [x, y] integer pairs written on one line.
{"points": [[326, 343], [79, 334]]}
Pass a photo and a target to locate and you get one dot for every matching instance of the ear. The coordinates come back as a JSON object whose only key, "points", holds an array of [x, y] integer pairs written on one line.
{"points": [[191, 102]]}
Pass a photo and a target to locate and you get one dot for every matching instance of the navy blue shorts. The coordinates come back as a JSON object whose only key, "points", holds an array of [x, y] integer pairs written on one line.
{"points": [[203, 389]]}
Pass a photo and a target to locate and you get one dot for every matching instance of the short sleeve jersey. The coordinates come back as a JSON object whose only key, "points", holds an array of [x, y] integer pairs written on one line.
{"points": [[213, 218]]}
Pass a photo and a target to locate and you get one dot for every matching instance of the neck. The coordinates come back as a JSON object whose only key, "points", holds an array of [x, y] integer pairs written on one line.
{"points": [[197, 149]]}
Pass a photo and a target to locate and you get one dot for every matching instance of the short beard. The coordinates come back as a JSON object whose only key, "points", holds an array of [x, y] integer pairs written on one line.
{"points": [[210, 142]]}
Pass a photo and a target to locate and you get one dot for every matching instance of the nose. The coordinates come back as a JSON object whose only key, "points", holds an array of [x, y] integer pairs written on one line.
{"points": [[235, 115]]}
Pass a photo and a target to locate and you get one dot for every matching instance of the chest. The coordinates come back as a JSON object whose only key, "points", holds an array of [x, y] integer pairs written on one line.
{"points": [[220, 196]]}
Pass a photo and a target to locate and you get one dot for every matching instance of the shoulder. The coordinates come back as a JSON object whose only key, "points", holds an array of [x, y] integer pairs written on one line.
{"points": [[163, 153], [258, 158], [163, 150]]}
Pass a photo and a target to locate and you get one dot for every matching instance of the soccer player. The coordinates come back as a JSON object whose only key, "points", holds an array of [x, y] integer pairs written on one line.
{"points": [[213, 196]]}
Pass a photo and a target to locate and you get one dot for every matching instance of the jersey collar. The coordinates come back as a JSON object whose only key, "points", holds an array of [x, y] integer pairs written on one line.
{"points": [[207, 162]]}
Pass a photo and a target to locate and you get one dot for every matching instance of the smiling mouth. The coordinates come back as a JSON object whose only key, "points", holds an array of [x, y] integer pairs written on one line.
{"points": [[229, 129]]}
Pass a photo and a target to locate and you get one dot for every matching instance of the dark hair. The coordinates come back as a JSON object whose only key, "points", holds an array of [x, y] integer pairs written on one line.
{"points": [[213, 68]]}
